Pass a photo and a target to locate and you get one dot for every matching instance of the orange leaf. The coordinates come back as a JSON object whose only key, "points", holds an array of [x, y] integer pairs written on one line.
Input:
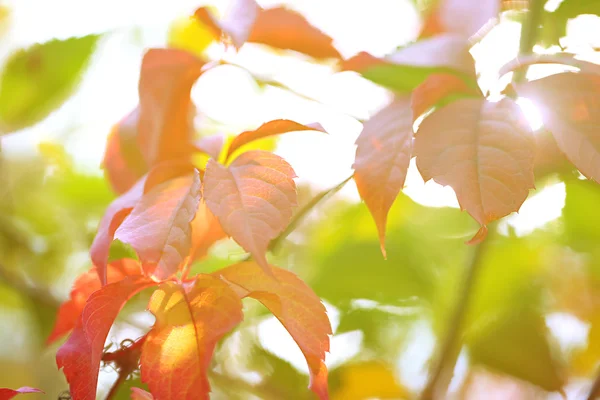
{"points": [[294, 304], [81, 354], [120, 208], [270, 128], [206, 230], [437, 87], [190, 320], [123, 163], [252, 198], [140, 394], [158, 227], [237, 22], [384, 150], [443, 51], [166, 111], [287, 30], [86, 284], [7, 394], [464, 17], [484, 151], [570, 108]]}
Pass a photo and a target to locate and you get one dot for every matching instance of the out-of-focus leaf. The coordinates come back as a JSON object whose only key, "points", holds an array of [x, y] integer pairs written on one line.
{"points": [[464, 17], [140, 394], [383, 153], [86, 284], [585, 361], [237, 22], [368, 380], [570, 108], [482, 384], [484, 151], [80, 356], [407, 68], [295, 305], [210, 145], [252, 198], [548, 157], [190, 34], [271, 128], [7, 394], [555, 23], [190, 320], [158, 227], [37, 80]]}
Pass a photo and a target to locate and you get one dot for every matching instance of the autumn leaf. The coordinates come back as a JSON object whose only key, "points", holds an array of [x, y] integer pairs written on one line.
{"points": [[86, 284], [140, 394], [484, 151], [407, 68], [81, 354], [158, 227], [384, 150], [437, 88], [270, 128], [7, 394], [252, 198], [190, 320], [570, 107], [464, 17], [236, 23], [295, 305], [120, 208], [123, 163], [206, 230]]}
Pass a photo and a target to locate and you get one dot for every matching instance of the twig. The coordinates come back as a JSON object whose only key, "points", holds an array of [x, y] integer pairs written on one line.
{"points": [[115, 387], [529, 32], [450, 348], [524, 61]]}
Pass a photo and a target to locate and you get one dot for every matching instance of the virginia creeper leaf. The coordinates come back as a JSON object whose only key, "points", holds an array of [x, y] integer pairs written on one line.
{"points": [[158, 227], [252, 198], [120, 208], [384, 150], [190, 320], [7, 394], [464, 17], [86, 284], [81, 354], [484, 151], [166, 111], [438, 88], [140, 394], [270, 128], [206, 230], [37, 80], [570, 107], [295, 305]]}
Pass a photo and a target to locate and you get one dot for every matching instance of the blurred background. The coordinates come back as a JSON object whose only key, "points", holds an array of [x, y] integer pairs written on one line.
{"points": [[69, 72]]}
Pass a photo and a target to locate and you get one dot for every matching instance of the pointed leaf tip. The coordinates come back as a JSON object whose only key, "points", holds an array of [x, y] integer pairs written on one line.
{"points": [[479, 236]]}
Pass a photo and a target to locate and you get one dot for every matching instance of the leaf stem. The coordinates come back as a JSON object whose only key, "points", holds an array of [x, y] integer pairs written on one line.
{"points": [[441, 374], [529, 33], [115, 387]]}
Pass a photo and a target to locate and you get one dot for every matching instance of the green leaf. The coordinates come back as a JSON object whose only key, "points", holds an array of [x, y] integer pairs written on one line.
{"points": [[555, 23], [37, 80]]}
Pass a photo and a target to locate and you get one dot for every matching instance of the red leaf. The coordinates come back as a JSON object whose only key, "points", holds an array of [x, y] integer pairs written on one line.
{"points": [[86, 284], [270, 128], [444, 51], [120, 208], [158, 227], [166, 111], [252, 198], [437, 87], [81, 354], [287, 30], [570, 108], [464, 17], [294, 304], [7, 394], [123, 162], [206, 230], [190, 319], [140, 394], [484, 151], [384, 150]]}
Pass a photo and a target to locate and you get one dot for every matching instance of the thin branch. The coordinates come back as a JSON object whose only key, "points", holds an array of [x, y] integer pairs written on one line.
{"points": [[440, 376], [526, 60], [115, 387], [529, 32]]}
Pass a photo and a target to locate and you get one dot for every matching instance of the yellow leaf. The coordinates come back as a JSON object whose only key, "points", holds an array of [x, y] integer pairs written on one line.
{"points": [[188, 33]]}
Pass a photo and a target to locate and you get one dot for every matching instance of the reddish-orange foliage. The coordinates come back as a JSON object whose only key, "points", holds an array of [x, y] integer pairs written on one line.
{"points": [[190, 319], [271, 128], [295, 305], [252, 198], [484, 151], [465, 17], [7, 394], [384, 150], [140, 394], [206, 230]]}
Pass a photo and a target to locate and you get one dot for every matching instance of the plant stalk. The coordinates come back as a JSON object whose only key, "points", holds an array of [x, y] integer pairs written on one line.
{"points": [[529, 33]]}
